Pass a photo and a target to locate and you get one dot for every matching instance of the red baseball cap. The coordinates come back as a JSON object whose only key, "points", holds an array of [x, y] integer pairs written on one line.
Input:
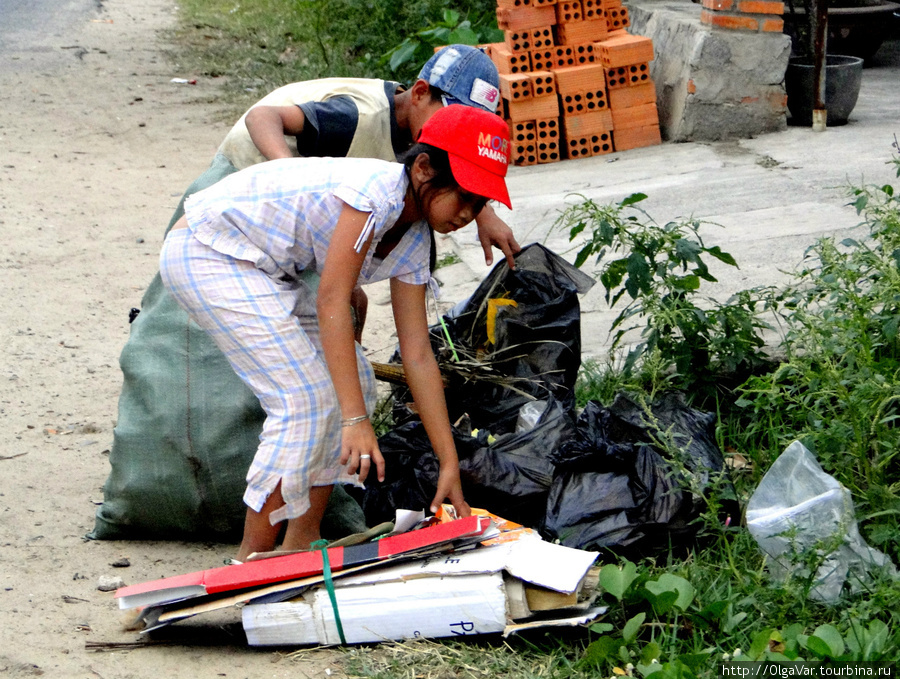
{"points": [[478, 145]]}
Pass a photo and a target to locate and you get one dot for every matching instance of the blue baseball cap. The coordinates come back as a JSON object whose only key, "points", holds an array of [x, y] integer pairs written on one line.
{"points": [[465, 75]]}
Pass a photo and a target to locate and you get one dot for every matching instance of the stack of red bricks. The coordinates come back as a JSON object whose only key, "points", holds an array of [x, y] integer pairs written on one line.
{"points": [[574, 82]]}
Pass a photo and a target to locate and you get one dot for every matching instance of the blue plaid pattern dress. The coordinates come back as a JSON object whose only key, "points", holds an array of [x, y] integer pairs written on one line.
{"points": [[238, 271]]}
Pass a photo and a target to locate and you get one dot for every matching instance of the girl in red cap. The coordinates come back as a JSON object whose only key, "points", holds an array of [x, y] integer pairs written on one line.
{"points": [[235, 263]]}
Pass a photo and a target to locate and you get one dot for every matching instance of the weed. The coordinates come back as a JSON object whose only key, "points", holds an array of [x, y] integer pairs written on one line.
{"points": [[694, 340]]}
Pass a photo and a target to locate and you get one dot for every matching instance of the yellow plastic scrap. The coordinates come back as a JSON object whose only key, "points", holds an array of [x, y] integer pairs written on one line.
{"points": [[492, 306]]}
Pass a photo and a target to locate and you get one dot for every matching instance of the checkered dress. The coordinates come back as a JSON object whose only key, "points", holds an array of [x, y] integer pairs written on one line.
{"points": [[238, 271]]}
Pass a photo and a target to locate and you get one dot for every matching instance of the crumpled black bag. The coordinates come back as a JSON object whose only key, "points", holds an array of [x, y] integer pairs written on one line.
{"points": [[509, 477], [537, 351], [615, 490]]}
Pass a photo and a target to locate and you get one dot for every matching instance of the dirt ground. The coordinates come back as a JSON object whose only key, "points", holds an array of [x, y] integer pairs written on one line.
{"points": [[96, 147]]}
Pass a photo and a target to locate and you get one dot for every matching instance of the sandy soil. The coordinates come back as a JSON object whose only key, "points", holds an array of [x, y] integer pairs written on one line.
{"points": [[97, 147]]}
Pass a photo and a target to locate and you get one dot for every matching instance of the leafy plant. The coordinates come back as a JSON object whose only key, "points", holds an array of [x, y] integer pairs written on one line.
{"points": [[407, 57], [660, 269]]}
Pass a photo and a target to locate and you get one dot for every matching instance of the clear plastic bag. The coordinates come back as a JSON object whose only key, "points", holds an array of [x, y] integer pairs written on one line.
{"points": [[529, 415], [799, 515]]}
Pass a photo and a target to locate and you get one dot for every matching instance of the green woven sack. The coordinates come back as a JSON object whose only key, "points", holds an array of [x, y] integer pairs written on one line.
{"points": [[187, 430]]}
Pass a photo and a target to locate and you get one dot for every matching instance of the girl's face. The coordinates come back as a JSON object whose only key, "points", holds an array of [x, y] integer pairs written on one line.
{"points": [[449, 209]]}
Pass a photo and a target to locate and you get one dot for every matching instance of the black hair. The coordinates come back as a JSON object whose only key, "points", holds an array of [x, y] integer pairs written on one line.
{"points": [[443, 179], [436, 94]]}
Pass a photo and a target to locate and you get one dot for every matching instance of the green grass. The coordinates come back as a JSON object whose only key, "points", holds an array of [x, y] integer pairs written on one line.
{"points": [[256, 46]]}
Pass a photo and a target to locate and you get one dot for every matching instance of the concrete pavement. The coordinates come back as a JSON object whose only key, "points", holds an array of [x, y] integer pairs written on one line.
{"points": [[771, 196]]}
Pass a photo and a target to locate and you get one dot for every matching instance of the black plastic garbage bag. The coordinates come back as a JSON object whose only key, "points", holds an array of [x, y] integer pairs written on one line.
{"points": [[509, 476], [517, 338], [616, 488]]}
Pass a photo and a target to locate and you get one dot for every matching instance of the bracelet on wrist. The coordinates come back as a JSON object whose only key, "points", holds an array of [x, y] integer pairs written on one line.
{"points": [[350, 421]]}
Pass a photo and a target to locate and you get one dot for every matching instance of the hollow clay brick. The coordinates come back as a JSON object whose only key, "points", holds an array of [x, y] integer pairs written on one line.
{"points": [[636, 137], [644, 115], [625, 76], [543, 83], [581, 31], [580, 78], [542, 38], [522, 132], [589, 123], [547, 129], [513, 4], [617, 17], [573, 55], [515, 87], [576, 147], [547, 144], [518, 41], [523, 18], [510, 62], [533, 109], [581, 103], [548, 138], [624, 49], [543, 60], [568, 10], [601, 142], [623, 97], [592, 10], [524, 154]]}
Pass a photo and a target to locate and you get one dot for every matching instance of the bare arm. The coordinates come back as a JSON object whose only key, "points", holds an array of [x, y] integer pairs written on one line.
{"points": [[339, 276], [268, 126], [493, 231], [424, 378]]}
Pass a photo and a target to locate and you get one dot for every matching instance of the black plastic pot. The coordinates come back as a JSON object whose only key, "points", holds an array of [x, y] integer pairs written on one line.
{"points": [[843, 76]]}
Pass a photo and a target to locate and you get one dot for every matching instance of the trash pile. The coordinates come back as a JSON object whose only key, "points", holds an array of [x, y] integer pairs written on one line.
{"points": [[630, 477], [448, 578]]}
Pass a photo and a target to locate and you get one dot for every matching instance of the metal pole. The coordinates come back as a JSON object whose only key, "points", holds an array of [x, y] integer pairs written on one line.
{"points": [[819, 28]]}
